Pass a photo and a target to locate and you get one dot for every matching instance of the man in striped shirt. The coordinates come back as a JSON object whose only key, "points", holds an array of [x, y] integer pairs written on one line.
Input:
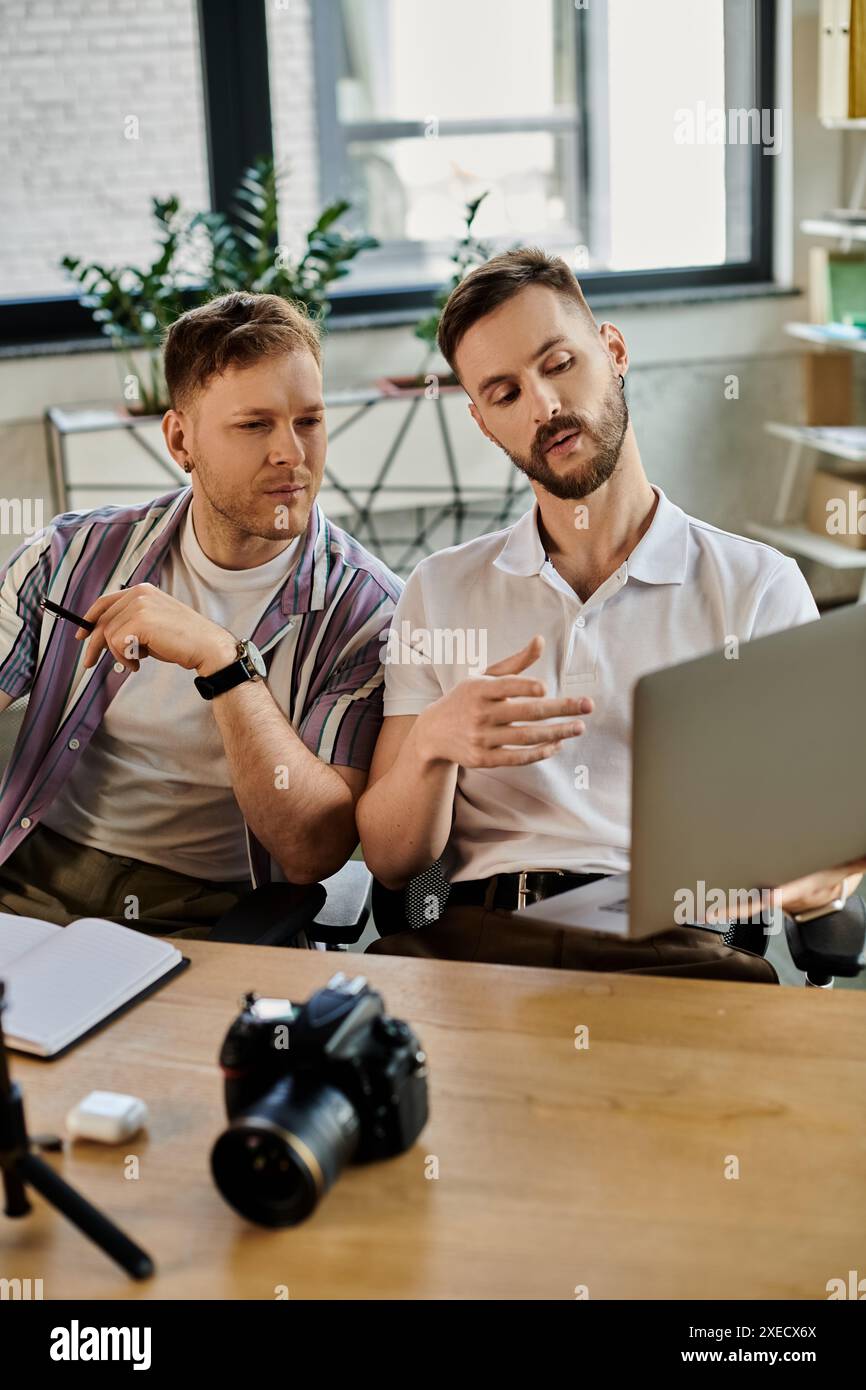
{"points": [[165, 765]]}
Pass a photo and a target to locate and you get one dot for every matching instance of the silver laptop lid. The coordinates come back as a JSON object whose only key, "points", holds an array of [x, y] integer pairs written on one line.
{"points": [[748, 772]]}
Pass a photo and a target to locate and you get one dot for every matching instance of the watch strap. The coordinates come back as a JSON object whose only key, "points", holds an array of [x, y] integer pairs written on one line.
{"points": [[218, 682]]}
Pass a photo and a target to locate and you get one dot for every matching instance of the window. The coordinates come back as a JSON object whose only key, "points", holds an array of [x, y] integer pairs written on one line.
{"points": [[103, 111], [594, 128], [630, 136], [110, 104]]}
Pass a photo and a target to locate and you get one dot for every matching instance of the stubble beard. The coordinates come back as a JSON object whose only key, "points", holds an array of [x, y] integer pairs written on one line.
{"points": [[237, 517], [608, 432]]}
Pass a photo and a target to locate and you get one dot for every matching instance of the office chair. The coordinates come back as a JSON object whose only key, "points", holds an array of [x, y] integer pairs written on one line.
{"points": [[822, 949], [334, 913], [829, 946], [331, 914]]}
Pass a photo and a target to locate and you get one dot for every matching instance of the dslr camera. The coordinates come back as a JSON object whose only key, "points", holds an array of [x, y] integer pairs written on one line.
{"points": [[309, 1088]]}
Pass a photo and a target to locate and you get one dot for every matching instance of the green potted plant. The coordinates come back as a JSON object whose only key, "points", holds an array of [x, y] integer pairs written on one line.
{"points": [[134, 306], [469, 252]]}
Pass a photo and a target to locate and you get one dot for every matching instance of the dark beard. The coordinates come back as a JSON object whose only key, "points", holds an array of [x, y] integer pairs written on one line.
{"points": [[608, 432]]}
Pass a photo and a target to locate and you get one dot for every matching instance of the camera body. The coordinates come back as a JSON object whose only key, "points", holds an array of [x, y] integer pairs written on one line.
{"points": [[310, 1087]]}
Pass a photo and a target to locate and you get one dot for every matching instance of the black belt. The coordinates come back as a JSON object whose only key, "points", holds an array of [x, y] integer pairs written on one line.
{"points": [[513, 891]]}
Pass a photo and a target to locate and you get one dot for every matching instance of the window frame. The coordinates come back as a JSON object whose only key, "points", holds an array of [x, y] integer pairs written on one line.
{"points": [[592, 180], [238, 129], [334, 138]]}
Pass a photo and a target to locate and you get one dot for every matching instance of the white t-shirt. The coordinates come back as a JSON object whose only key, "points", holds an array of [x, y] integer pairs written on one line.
{"points": [[686, 588], [153, 783]]}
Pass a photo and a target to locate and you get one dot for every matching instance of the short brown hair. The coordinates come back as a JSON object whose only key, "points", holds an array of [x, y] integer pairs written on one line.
{"points": [[234, 329], [497, 280]]}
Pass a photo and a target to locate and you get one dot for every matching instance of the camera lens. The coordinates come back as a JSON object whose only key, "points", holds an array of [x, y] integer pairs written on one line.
{"points": [[278, 1159]]}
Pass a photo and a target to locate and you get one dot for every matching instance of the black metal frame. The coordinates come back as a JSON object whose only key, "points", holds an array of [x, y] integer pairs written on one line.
{"points": [[237, 93], [238, 129]]}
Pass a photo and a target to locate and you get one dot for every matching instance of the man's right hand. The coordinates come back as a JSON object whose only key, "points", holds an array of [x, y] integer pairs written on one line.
{"points": [[478, 723]]}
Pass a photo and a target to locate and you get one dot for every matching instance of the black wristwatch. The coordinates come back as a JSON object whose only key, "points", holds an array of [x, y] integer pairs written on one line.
{"points": [[249, 666]]}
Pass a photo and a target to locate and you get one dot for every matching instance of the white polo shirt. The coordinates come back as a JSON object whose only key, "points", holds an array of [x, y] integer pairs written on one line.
{"points": [[687, 588]]}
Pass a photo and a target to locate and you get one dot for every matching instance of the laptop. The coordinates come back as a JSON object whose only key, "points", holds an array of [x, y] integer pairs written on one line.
{"points": [[747, 772]]}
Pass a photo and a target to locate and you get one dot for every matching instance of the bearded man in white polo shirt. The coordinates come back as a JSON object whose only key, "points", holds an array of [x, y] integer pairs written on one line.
{"points": [[525, 765]]}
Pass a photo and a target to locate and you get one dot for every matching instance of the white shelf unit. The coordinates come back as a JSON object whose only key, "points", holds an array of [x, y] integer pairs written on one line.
{"points": [[805, 436], [796, 540], [817, 333], [793, 538], [829, 226]]}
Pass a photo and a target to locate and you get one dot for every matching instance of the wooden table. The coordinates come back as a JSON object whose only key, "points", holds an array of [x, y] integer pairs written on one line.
{"points": [[558, 1166]]}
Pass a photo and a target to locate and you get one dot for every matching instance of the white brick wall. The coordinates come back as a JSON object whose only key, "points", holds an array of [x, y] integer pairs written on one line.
{"points": [[71, 73]]}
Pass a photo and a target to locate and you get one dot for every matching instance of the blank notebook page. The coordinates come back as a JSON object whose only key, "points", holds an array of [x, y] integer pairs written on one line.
{"points": [[20, 934], [75, 977]]}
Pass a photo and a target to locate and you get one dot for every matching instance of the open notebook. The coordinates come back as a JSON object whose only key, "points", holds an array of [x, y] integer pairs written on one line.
{"points": [[62, 982]]}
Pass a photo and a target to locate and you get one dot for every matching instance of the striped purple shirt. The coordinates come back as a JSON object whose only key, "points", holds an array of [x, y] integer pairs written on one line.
{"points": [[334, 609]]}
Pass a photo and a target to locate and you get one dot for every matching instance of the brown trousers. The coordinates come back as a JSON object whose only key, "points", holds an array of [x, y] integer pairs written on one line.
{"points": [[497, 937], [57, 880]]}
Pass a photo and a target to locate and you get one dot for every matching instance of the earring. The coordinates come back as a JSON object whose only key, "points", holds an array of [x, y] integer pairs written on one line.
{"points": [[622, 383], [187, 468]]}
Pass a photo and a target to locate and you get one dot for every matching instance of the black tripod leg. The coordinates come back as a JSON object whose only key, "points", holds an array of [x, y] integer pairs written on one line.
{"points": [[92, 1223], [16, 1195], [13, 1134]]}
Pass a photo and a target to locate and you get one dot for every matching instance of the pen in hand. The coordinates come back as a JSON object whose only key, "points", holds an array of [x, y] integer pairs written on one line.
{"points": [[48, 607]]}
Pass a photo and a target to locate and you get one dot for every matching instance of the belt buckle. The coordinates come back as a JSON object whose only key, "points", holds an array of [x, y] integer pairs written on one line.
{"points": [[522, 889]]}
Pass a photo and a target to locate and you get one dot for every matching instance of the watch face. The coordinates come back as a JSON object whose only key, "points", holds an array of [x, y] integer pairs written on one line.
{"points": [[256, 659]]}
